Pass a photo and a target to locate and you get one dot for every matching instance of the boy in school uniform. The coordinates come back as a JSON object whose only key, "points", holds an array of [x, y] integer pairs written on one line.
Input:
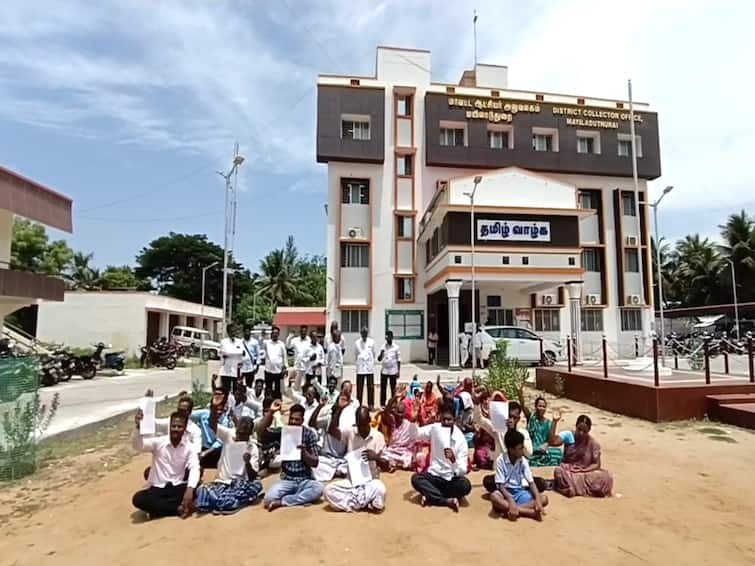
{"points": [[516, 494]]}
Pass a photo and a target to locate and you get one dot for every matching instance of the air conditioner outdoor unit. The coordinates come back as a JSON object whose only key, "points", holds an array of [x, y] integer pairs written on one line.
{"points": [[634, 299], [592, 299], [355, 233], [548, 300], [631, 240]]}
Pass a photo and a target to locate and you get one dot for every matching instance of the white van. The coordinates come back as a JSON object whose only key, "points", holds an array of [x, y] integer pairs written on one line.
{"points": [[523, 344], [194, 338]]}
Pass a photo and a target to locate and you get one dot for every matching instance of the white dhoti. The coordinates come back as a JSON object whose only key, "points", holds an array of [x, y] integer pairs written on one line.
{"points": [[343, 496], [328, 467]]}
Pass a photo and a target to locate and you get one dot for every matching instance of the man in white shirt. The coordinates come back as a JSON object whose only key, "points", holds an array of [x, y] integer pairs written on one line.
{"points": [[364, 352], [334, 357], [184, 407], [168, 492], [251, 357], [366, 443], [477, 347], [444, 483], [315, 360], [300, 344], [275, 364], [390, 356], [232, 353]]}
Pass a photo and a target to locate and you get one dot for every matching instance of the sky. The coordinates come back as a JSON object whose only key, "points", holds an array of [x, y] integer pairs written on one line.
{"points": [[131, 107]]}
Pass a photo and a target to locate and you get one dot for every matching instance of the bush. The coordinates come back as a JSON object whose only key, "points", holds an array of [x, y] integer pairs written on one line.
{"points": [[21, 428], [504, 373]]}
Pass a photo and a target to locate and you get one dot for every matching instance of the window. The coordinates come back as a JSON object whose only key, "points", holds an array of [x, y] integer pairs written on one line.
{"points": [[505, 260], [355, 191], [453, 137], [498, 139], [572, 260], [592, 260], [355, 129], [624, 148], [627, 204], [525, 260], [457, 259], [501, 332], [404, 165], [355, 255], [592, 320], [631, 320], [547, 320], [542, 142], [588, 200], [493, 301], [631, 261], [354, 321], [500, 317], [588, 142], [404, 105], [406, 325], [404, 288], [405, 226]]}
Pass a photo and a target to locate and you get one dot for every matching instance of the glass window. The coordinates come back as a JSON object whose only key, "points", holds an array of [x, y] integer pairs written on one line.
{"points": [[588, 200], [500, 317], [355, 129], [406, 325], [542, 142], [585, 145], [355, 191], [631, 261], [355, 255], [404, 165], [631, 320], [498, 139], [354, 321], [453, 137], [404, 105], [493, 300], [524, 334], [627, 204], [624, 147], [592, 260], [405, 288], [547, 320], [592, 320], [405, 226]]}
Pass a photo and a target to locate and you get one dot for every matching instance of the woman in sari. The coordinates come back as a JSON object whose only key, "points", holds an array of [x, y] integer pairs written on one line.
{"points": [[484, 443], [400, 449], [539, 428], [428, 405], [580, 473]]}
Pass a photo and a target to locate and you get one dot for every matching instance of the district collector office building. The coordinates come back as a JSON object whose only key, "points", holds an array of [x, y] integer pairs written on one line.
{"points": [[559, 238]]}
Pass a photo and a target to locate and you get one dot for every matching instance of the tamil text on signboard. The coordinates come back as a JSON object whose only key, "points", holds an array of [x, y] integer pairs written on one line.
{"points": [[514, 230]]}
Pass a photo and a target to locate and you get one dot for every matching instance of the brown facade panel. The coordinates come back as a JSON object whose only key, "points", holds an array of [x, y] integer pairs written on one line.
{"points": [[477, 152], [333, 102], [30, 285], [33, 201], [564, 230]]}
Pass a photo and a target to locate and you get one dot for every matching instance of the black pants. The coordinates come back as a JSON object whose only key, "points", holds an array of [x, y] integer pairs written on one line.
{"points": [[160, 501], [431, 355], [248, 377], [211, 459], [273, 385], [370, 378], [384, 386], [437, 490], [228, 383]]}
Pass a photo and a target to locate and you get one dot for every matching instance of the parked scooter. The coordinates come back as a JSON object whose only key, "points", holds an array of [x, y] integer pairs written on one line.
{"points": [[111, 360], [163, 356]]}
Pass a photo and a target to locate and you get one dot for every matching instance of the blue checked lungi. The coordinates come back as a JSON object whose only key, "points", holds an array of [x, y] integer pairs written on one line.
{"points": [[217, 497]]}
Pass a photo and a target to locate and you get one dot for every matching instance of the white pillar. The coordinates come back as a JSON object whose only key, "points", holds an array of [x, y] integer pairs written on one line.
{"points": [[164, 323], [575, 311], [452, 289]]}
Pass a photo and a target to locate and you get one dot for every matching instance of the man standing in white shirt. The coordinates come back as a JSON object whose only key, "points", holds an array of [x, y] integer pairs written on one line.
{"points": [[315, 361], [232, 353], [390, 356], [364, 351], [275, 364], [334, 356], [444, 483], [477, 347], [300, 345], [168, 493], [251, 357]]}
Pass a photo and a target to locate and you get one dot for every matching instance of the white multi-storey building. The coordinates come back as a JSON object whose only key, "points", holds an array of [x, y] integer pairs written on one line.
{"points": [[561, 241]]}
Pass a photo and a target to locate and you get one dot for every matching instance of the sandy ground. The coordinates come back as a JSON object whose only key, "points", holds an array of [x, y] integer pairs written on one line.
{"points": [[684, 495]]}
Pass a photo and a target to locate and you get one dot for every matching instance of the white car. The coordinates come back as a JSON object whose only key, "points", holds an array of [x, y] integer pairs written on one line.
{"points": [[196, 337], [523, 344]]}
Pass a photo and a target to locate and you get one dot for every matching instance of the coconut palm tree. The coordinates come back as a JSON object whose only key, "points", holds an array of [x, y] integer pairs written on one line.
{"points": [[698, 272], [80, 275], [738, 234], [279, 280]]}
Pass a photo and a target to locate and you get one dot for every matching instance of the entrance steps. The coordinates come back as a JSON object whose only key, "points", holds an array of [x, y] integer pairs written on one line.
{"points": [[734, 408]]}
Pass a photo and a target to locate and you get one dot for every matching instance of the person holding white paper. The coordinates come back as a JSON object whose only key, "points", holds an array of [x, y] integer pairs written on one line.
{"points": [[363, 489], [444, 483], [236, 484], [297, 485], [513, 422], [332, 461]]}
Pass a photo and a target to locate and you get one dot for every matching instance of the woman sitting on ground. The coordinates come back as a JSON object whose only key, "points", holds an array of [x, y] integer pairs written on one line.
{"points": [[580, 473], [539, 428]]}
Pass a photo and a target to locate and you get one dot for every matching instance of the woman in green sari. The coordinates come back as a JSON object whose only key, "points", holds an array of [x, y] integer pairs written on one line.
{"points": [[539, 428]]}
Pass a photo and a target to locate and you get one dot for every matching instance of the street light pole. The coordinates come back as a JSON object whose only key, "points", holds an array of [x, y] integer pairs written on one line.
{"points": [[736, 302], [472, 234], [659, 275], [204, 278]]}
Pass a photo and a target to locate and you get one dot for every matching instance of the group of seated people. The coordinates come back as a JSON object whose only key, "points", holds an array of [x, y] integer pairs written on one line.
{"points": [[344, 449]]}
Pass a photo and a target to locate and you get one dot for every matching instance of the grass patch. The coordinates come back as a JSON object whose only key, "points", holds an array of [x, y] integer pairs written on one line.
{"points": [[712, 430]]}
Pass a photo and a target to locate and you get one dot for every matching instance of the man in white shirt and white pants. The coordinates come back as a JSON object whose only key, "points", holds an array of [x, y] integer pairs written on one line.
{"points": [[364, 352], [301, 345], [390, 356], [444, 483], [334, 356], [232, 353], [275, 364]]}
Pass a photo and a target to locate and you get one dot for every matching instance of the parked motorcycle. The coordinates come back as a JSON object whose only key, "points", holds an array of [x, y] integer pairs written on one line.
{"points": [[52, 371], [77, 365], [159, 357], [111, 360]]}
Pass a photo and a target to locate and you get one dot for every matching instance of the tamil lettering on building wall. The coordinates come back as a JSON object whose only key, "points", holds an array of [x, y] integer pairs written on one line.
{"points": [[519, 230], [593, 117], [491, 109]]}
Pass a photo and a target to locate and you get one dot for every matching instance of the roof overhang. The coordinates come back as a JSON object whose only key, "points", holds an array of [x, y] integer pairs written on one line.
{"points": [[34, 201]]}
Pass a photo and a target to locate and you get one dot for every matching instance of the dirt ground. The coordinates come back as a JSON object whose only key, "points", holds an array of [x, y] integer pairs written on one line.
{"points": [[683, 495]]}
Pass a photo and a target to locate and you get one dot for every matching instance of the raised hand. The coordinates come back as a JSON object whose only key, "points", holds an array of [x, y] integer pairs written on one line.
{"points": [[556, 415], [275, 406]]}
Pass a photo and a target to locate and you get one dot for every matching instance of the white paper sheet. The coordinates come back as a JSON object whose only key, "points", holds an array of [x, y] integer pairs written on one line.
{"points": [[147, 405], [499, 414], [235, 453], [359, 468], [290, 442]]}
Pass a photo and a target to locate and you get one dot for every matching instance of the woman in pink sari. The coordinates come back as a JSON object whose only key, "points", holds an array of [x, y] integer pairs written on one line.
{"points": [[401, 448], [580, 473]]}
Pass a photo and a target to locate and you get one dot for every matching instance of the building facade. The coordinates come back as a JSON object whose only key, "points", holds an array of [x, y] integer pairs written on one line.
{"points": [[561, 232]]}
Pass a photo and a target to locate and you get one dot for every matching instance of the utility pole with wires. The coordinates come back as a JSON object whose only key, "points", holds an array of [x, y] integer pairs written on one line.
{"points": [[229, 231], [474, 22]]}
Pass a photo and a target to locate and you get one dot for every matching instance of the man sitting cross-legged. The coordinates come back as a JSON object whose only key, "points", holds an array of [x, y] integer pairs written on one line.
{"points": [[516, 493], [236, 484], [296, 486], [444, 483], [168, 493], [332, 459], [344, 495]]}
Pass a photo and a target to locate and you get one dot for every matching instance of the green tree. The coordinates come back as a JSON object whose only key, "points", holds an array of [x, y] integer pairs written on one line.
{"points": [[279, 279], [31, 249], [80, 275], [699, 270], [121, 277], [738, 234], [312, 275]]}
